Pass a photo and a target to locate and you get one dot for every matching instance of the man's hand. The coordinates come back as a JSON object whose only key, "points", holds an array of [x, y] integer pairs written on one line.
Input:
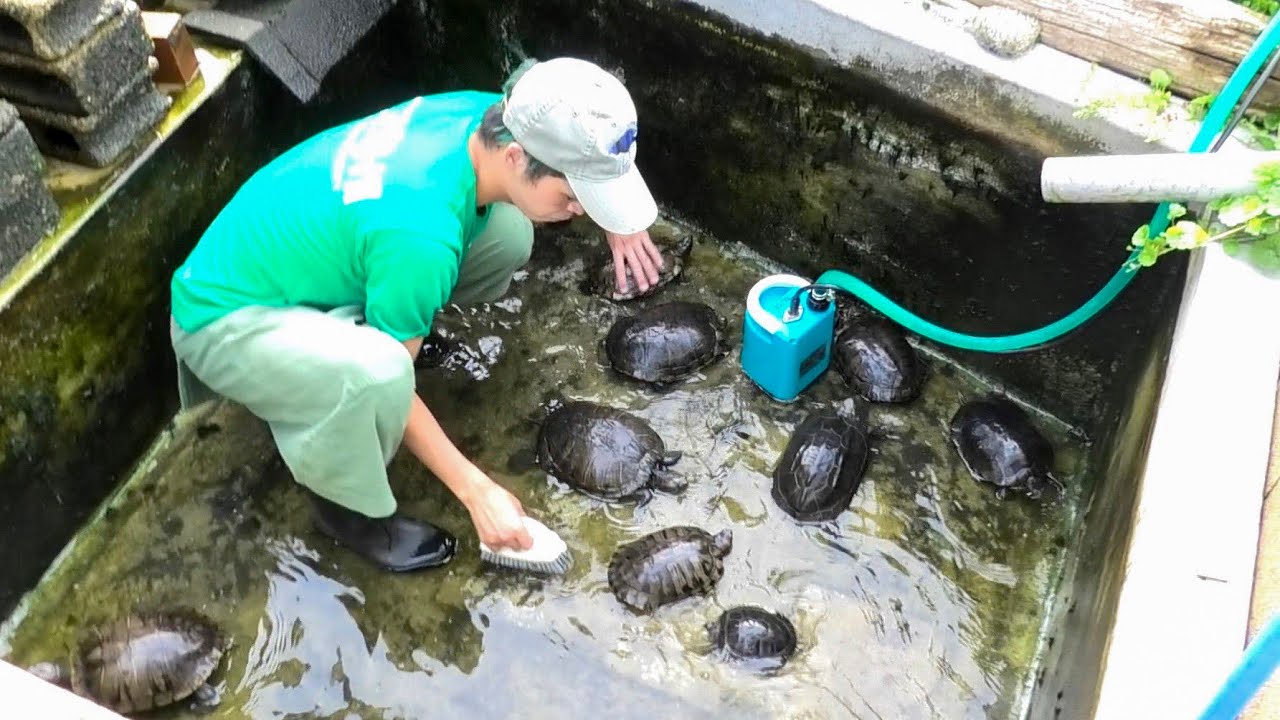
{"points": [[498, 517], [637, 253], [496, 513]]}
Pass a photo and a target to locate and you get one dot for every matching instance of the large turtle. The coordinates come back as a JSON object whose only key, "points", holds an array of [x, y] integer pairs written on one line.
{"points": [[602, 279], [143, 661], [667, 565], [874, 358], [999, 445], [754, 636], [822, 465], [666, 342], [606, 453]]}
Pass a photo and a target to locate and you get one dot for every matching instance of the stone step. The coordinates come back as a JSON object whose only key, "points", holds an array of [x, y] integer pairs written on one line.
{"points": [[49, 29], [27, 208], [100, 139], [85, 80]]}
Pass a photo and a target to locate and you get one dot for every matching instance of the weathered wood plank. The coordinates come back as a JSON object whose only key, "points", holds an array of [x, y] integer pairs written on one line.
{"points": [[1199, 42]]}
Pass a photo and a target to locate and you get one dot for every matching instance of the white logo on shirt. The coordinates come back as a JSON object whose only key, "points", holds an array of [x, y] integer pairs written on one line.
{"points": [[358, 165]]}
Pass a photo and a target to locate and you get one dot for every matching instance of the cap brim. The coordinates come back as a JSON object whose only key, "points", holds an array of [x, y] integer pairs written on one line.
{"points": [[622, 205]]}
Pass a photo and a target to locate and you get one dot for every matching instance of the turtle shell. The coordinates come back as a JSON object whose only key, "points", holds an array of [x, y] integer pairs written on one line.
{"points": [[874, 358], [666, 342], [1000, 445], [605, 452], [822, 466], [602, 282], [147, 661], [668, 565], [746, 632]]}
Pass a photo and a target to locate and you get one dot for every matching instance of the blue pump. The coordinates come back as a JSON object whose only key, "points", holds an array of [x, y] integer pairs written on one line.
{"points": [[786, 343]]}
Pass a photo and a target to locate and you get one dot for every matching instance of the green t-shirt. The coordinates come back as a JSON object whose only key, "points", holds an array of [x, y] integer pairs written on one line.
{"points": [[377, 213]]}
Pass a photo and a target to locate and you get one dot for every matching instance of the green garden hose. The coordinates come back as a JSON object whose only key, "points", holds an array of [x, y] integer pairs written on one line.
{"points": [[1214, 122]]}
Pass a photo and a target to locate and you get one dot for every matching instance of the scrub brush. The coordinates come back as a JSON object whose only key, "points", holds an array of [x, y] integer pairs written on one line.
{"points": [[549, 554]]}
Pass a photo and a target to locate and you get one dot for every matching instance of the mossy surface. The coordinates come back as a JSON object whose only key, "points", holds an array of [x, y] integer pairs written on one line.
{"points": [[818, 166], [86, 371], [811, 165]]}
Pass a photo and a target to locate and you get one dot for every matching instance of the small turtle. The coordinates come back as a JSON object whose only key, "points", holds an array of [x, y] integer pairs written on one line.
{"points": [[605, 453], [666, 342], [999, 445], [822, 465], [758, 638], [668, 565], [143, 661], [874, 358], [602, 280]]}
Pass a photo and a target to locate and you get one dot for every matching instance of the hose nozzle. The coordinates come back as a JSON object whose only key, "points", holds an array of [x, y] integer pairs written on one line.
{"points": [[820, 295]]}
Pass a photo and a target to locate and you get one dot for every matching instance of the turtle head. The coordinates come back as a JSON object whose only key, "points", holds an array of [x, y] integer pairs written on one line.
{"points": [[51, 673], [722, 543], [855, 410], [669, 482]]}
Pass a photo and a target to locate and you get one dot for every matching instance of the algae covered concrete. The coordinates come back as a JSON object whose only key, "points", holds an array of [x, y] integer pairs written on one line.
{"points": [[85, 379], [819, 166], [811, 162], [928, 190], [86, 371]]}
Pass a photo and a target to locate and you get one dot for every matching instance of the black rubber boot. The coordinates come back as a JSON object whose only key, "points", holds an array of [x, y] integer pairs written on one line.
{"points": [[394, 543]]}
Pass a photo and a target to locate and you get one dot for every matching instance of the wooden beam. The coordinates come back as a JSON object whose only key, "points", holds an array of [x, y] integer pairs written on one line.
{"points": [[1198, 42]]}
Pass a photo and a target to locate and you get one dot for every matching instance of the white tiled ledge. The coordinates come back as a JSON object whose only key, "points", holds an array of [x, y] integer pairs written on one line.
{"points": [[24, 696]]}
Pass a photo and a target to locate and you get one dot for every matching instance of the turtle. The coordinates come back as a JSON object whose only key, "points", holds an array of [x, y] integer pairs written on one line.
{"points": [[143, 661], [822, 465], [756, 637], [605, 453], [601, 280], [1000, 445], [668, 565], [666, 342], [874, 358]]}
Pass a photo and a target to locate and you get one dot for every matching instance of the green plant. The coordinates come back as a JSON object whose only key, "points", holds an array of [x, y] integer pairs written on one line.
{"points": [[1266, 7], [1263, 128], [1154, 102], [1248, 226]]}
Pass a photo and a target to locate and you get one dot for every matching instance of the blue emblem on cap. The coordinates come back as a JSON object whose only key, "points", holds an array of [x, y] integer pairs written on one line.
{"points": [[624, 143]]}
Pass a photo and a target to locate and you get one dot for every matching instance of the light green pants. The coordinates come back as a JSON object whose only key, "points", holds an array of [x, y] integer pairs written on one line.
{"points": [[335, 392]]}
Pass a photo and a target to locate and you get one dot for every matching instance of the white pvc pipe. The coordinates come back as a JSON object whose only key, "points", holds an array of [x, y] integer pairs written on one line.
{"points": [[1176, 177]]}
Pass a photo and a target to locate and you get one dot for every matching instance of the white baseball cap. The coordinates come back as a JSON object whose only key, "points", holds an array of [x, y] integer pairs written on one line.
{"points": [[580, 120]]}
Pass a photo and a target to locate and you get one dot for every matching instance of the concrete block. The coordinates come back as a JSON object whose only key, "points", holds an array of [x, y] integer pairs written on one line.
{"points": [[85, 80], [98, 140], [49, 29], [8, 116], [297, 41], [28, 212]]}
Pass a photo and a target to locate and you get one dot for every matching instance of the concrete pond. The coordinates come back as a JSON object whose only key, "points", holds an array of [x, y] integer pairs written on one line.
{"points": [[789, 136]]}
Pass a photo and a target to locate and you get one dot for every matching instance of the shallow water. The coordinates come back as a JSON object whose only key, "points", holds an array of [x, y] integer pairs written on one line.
{"points": [[923, 600]]}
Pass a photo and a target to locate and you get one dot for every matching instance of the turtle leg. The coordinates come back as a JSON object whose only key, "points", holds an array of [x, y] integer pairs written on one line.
{"points": [[671, 457], [642, 497], [206, 696], [602, 353]]}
